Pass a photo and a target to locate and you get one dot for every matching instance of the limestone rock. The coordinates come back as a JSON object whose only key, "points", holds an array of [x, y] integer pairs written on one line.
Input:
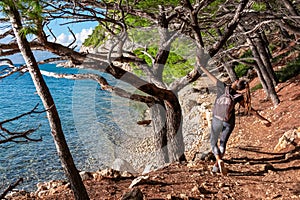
{"points": [[108, 173], [85, 175], [122, 165], [139, 180], [16, 194], [287, 139]]}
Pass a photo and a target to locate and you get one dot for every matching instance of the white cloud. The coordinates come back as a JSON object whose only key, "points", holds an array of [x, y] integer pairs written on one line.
{"points": [[80, 37], [62, 39], [84, 34]]}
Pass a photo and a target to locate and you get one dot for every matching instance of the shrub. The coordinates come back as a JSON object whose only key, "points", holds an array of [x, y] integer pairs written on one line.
{"points": [[292, 69]]}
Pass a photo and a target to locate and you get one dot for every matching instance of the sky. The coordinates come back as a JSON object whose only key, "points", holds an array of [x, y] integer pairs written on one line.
{"points": [[62, 34]]}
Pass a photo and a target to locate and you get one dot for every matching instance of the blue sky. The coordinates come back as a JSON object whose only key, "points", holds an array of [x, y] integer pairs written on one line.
{"points": [[63, 36]]}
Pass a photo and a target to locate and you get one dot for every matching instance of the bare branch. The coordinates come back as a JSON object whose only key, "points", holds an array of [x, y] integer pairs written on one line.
{"points": [[104, 85], [289, 27], [50, 30], [7, 33], [229, 29], [151, 57], [74, 37], [11, 69], [180, 83], [22, 115], [258, 26], [12, 136], [10, 188]]}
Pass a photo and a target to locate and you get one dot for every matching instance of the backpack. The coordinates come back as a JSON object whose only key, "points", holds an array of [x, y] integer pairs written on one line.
{"points": [[224, 106]]}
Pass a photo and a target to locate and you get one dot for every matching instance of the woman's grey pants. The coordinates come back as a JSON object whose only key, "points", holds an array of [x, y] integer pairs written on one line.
{"points": [[225, 129]]}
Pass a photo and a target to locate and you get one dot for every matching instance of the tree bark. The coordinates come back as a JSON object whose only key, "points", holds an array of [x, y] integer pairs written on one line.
{"points": [[167, 118], [262, 71], [271, 92], [158, 116], [48, 102], [230, 71], [174, 126], [291, 9], [262, 50]]}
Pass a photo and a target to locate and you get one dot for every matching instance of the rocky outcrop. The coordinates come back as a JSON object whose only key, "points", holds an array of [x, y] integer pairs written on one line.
{"points": [[289, 138]]}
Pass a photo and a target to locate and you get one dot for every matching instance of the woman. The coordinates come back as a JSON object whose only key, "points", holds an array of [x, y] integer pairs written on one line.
{"points": [[223, 127]]}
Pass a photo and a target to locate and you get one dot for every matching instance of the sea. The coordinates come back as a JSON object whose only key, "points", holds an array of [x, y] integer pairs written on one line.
{"points": [[94, 122]]}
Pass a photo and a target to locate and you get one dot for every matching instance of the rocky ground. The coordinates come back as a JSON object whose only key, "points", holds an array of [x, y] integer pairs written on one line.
{"points": [[256, 169]]}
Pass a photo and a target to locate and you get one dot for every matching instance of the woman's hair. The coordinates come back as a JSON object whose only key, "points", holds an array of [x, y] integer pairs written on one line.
{"points": [[241, 85]]}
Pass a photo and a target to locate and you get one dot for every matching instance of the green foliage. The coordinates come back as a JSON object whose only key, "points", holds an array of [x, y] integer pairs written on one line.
{"points": [[151, 50], [136, 70], [152, 5], [4, 5], [30, 10], [133, 21], [214, 6], [257, 87], [96, 38], [175, 67], [292, 69], [259, 6], [139, 53], [144, 36], [242, 69], [29, 29]]}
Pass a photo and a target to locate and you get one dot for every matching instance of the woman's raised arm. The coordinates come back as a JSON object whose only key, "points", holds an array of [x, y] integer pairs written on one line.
{"points": [[210, 76]]}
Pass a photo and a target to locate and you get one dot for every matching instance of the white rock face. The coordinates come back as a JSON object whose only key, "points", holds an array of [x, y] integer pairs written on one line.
{"points": [[122, 165]]}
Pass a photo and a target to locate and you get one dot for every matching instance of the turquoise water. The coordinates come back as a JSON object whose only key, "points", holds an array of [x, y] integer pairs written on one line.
{"points": [[87, 118]]}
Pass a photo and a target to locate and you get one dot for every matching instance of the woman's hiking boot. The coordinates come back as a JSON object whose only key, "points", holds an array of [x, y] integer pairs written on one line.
{"points": [[222, 167], [215, 169]]}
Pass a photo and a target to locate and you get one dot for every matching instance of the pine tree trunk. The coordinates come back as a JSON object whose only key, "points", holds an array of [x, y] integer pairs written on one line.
{"points": [[265, 76], [52, 114], [264, 71], [264, 55], [158, 116], [174, 126], [167, 122]]}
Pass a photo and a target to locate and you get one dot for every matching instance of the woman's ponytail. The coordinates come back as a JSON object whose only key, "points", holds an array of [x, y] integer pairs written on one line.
{"points": [[247, 98]]}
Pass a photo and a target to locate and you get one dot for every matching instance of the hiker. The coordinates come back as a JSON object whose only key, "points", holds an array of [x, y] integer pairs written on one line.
{"points": [[223, 119]]}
